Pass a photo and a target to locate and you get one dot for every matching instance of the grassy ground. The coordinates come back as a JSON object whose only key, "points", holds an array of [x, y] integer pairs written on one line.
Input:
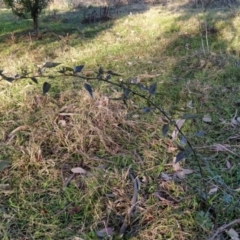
{"points": [[119, 147]]}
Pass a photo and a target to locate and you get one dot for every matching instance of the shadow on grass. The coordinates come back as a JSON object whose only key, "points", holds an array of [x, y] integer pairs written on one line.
{"points": [[90, 20]]}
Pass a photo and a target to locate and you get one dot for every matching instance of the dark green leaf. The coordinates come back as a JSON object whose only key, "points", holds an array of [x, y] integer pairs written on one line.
{"points": [[108, 77], [34, 80], [50, 64], [9, 79], [126, 92], [190, 116], [89, 89], [153, 88], [113, 73], [100, 71], [77, 69], [3, 164], [165, 129], [180, 156], [142, 87], [46, 87], [146, 109]]}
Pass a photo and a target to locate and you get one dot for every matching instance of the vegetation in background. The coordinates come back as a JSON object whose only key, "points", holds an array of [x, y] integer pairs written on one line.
{"points": [[22, 8], [80, 166]]}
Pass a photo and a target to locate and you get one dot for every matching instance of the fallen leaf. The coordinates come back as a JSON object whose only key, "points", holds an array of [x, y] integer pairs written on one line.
{"points": [[3, 164], [62, 123], [229, 166], [179, 123], [221, 147], [187, 171], [180, 174], [213, 190], [189, 104], [233, 234], [176, 166], [166, 177], [207, 118], [78, 170], [105, 232]]}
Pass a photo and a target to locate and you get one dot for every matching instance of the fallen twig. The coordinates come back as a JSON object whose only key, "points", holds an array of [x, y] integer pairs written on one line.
{"points": [[223, 227]]}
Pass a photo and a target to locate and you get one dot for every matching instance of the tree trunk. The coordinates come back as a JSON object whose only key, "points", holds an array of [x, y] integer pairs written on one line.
{"points": [[35, 22]]}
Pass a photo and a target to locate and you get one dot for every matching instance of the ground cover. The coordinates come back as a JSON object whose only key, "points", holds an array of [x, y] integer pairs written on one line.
{"points": [[120, 150]]}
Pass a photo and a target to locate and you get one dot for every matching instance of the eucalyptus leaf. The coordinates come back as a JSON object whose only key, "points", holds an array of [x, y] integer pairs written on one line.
{"points": [[152, 88], [46, 87], [34, 79], [113, 73], [89, 89], [180, 156], [78, 69], [165, 129], [51, 64], [126, 92], [100, 71], [142, 87]]}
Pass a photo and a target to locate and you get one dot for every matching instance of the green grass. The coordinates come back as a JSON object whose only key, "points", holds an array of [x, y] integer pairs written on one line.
{"points": [[112, 141]]}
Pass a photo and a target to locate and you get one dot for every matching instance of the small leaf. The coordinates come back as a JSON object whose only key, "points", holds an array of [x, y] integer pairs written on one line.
{"points": [[207, 119], [46, 87], [179, 123], [105, 232], [187, 171], [200, 133], [3, 164], [165, 129], [77, 69], [180, 156], [153, 88], [233, 234], [89, 89], [166, 177], [50, 64], [213, 190], [189, 104], [34, 79], [78, 170], [100, 71], [113, 73], [142, 87], [126, 92], [180, 174], [146, 109], [190, 116], [229, 166]]}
